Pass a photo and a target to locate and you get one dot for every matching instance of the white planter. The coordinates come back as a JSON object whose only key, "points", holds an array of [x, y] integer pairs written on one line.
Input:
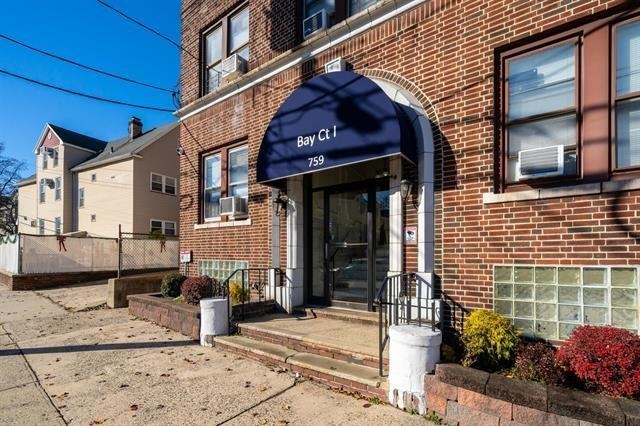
{"points": [[413, 352], [214, 319]]}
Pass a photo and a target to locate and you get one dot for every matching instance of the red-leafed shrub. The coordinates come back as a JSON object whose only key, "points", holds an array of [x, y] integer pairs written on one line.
{"points": [[605, 357], [195, 288], [537, 362]]}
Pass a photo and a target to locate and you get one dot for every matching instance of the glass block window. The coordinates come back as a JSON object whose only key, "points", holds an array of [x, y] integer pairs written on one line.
{"points": [[550, 301], [221, 269]]}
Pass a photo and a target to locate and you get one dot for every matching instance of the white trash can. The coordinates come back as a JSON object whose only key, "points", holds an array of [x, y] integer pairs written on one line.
{"points": [[214, 319], [413, 352]]}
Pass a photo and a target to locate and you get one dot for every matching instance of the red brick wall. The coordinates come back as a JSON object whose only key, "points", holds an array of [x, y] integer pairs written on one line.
{"points": [[446, 50]]}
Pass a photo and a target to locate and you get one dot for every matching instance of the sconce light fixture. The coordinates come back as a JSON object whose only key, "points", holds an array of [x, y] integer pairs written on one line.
{"points": [[405, 190], [280, 203]]}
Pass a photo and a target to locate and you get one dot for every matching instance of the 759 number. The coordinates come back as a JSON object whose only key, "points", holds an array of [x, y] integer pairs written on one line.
{"points": [[316, 161]]}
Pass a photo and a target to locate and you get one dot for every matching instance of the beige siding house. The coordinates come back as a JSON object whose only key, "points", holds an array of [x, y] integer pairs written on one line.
{"points": [[85, 185]]}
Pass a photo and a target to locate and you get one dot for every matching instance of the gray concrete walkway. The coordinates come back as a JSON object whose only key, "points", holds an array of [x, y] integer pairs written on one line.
{"points": [[101, 366]]}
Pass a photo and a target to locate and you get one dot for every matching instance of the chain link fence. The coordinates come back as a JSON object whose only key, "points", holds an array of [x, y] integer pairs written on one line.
{"points": [[138, 252], [49, 254], [42, 254]]}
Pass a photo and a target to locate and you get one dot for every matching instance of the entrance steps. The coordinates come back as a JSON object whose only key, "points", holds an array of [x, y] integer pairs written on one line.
{"points": [[338, 350]]}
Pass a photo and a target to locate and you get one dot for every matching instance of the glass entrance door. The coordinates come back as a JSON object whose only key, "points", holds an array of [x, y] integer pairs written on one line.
{"points": [[350, 253], [347, 246]]}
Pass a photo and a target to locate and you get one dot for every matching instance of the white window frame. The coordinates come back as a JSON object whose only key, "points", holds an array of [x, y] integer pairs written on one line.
{"points": [[41, 228], [80, 198], [58, 189], [205, 188], [55, 157], [163, 226], [163, 184], [45, 161]]}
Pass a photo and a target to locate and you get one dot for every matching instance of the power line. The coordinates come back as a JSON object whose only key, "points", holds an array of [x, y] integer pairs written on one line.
{"points": [[60, 58], [135, 21], [84, 95]]}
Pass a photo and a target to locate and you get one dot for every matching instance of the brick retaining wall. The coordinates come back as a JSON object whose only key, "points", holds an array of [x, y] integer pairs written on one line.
{"points": [[177, 316], [465, 396]]}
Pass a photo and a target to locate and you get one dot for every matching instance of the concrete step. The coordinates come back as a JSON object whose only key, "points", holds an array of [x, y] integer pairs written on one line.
{"points": [[352, 342], [335, 373], [348, 315]]}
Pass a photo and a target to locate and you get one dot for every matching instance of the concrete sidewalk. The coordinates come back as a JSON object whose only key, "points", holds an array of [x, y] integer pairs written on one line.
{"points": [[59, 366]]}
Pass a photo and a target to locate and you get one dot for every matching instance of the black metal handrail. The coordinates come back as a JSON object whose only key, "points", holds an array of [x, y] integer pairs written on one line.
{"points": [[401, 299], [253, 286]]}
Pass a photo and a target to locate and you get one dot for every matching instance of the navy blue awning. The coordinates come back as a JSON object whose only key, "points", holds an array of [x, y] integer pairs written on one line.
{"points": [[332, 120]]}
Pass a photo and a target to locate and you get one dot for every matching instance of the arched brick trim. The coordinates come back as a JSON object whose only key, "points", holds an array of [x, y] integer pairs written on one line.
{"points": [[431, 113]]}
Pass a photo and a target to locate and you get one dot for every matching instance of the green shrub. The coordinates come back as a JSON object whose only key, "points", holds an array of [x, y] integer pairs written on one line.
{"points": [[170, 286], [489, 340], [195, 288], [238, 294]]}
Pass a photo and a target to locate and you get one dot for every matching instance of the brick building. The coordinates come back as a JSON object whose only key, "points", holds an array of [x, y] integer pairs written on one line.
{"points": [[517, 124]]}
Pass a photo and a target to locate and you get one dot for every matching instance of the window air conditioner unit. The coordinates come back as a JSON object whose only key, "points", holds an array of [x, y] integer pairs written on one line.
{"points": [[49, 182], [33, 224], [315, 22], [233, 66], [541, 162], [234, 206], [48, 151]]}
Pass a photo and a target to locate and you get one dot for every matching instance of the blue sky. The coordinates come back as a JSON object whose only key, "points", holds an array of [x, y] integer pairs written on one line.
{"points": [[89, 33]]}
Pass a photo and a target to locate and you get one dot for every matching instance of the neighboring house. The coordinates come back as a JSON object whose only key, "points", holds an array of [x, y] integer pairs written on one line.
{"points": [[87, 185], [523, 153]]}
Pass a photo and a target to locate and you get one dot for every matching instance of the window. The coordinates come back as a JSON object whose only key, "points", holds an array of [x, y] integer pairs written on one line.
{"points": [[162, 183], [227, 37], [58, 225], [541, 106], [627, 104], [356, 6], [45, 160], [93, 177], [220, 182], [336, 12], [238, 168], [170, 185], [55, 157], [80, 198], [164, 226], [156, 182], [156, 225], [558, 94], [42, 191], [170, 228], [58, 189], [41, 226], [212, 186], [93, 218], [311, 7]]}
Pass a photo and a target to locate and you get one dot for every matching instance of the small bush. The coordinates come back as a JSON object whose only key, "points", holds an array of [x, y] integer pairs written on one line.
{"points": [[607, 358], [196, 288], [170, 286], [238, 294], [489, 340], [537, 362]]}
